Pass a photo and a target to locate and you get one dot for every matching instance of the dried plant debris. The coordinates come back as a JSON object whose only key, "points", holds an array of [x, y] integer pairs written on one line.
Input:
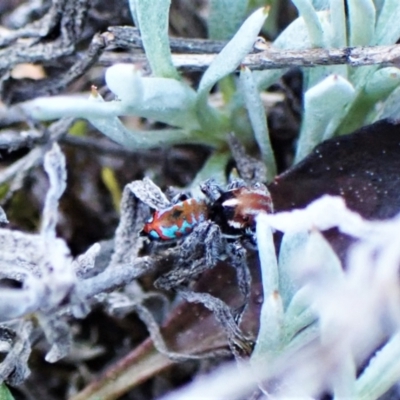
{"points": [[113, 271], [53, 285]]}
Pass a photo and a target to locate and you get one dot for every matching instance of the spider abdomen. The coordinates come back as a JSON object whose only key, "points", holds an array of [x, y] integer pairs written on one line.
{"points": [[177, 220]]}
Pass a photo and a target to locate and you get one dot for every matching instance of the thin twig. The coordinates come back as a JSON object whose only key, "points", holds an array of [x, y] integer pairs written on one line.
{"points": [[23, 165], [11, 139], [275, 58], [128, 37], [69, 18]]}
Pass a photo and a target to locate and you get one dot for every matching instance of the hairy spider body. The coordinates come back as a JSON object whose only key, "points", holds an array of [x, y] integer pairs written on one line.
{"points": [[177, 220], [235, 210], [216, 228], [212, 229]]}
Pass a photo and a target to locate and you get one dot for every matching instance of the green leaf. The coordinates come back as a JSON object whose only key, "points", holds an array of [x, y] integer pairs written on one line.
{"points": [[152, 16], [271, 316], [258, 120], [126, 82], [113, 128], [225, 18], [314, 27], [291, 245], [268, 260], [162, 99], [295, 36], [390, 108], [233, 53], [344, 378], [224, 63], [269, 339], [324, 106], [322, 258], [382, 83], [362, 15], [316, 253], [338, 24], [5, 394], [299, 314], [388, 28], [377, 88], [214, 167], [382, 372]]}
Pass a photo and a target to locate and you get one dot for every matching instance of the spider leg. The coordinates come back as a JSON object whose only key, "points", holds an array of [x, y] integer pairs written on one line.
{"points": [[177, 197], [236, 184], [240, 345], [207, 237], [200, 251], [211, 189], [250, 169], [237, 254], [180, 275], [250, 238]]}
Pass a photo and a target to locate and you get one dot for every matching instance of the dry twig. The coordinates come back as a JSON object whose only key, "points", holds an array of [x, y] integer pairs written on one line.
{"points": [[271, 58]]}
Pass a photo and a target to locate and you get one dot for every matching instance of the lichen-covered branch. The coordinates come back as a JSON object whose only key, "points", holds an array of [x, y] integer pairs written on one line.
{"points": [[274, 58]]}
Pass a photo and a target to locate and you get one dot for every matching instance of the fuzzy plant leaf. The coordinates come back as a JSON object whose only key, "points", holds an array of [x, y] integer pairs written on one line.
{"points": [[271, 318], [322, 259], [323, 107], [269, 264], [338, 24], [362, 16], [162, 99], [256, 112], [298, 316], [320, 4], [382, 372], [391, 107], [387, 29], [152, 17], [126, 82], [295, 36], [322, 265], [113, 128], [232, 54], [382, 83], [314, 27], [343, 381], [214, 168], [377, 88], [386, 32], [291, 245], [225, 18], [225, 63], [269, 339]]}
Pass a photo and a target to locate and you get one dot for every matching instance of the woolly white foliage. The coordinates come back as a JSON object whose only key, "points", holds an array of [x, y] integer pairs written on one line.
{"points": [[361, 301], [348, 313]]}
